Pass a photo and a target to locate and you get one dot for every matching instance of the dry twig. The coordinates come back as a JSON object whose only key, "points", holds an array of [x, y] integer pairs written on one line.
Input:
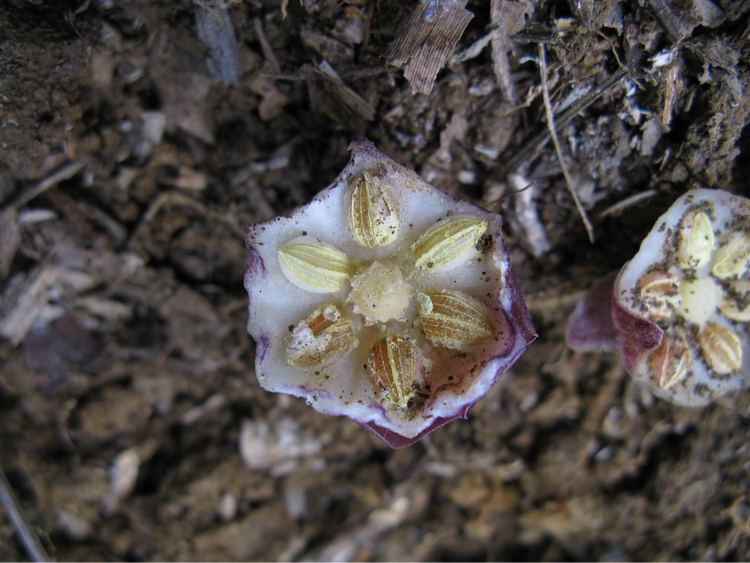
{"points": [[28, 539], [553, 134], [627, 202], [532, 148]]}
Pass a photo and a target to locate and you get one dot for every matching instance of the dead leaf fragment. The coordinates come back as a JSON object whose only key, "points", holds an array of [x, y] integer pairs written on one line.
{"points": [[331, 96], [423, 45], [329, 48], [273, 101]]}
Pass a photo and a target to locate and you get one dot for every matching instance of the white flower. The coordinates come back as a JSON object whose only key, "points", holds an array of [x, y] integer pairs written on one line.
{"points": [[384, 300]]}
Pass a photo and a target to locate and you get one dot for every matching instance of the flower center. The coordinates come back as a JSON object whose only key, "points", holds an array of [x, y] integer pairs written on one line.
{"points": [[700, 299], [380, 294]]}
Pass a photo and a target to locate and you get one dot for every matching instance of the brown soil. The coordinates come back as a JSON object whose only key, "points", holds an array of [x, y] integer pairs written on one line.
{"points": [[131, 252]]}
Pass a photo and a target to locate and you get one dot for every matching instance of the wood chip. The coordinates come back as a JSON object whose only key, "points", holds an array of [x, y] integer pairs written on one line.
{"points": [[679, 24], [216, 31], [34, 298], [10, 237], [509, 18]]}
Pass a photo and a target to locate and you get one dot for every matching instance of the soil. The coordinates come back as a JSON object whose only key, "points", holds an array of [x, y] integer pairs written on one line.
{"points": [[138, 140]]}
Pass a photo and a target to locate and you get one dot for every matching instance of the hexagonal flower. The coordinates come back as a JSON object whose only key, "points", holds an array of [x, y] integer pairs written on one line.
{"points": [[384, 300], [681, 308]]}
